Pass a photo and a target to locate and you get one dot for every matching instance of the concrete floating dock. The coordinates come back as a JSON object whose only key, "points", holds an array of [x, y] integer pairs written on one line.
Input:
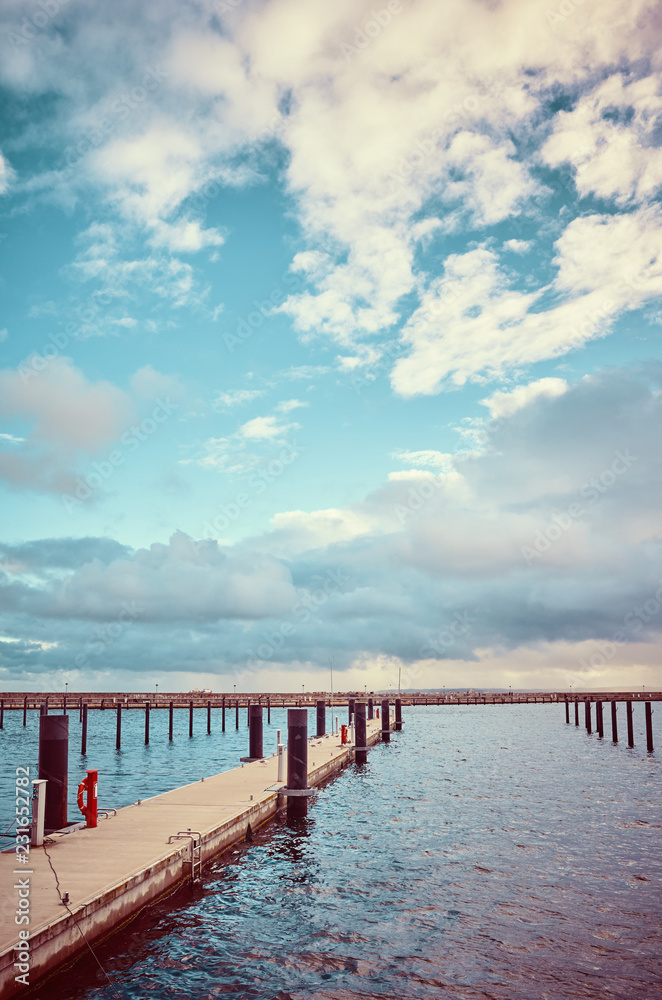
{"points": [[112, 871]]}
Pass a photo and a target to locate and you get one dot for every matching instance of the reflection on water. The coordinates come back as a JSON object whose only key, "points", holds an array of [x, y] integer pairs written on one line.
{"points": [[486, 852]]}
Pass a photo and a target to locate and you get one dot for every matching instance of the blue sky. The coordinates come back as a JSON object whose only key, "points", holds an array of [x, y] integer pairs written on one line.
{"points": [[330, 331]]}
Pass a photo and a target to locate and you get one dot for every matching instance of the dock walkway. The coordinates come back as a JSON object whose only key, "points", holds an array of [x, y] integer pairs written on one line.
{"points": [[112, 871]]}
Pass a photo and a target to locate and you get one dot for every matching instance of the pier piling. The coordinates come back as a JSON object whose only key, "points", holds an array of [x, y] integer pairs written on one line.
{"points": [[599, 722], [208, 717], [649, 727], [248, 712], [146, 723], [351, 702], [236, 709], [190, 719], [255, 734], [398, 714], [614, 724], [268, 711], [223, 715], [576, 712], [2, 713], [171, 712], [567, 712], [25, 711], [386, 721], [371, 710], [321, 718], [54, 768], [587, 716], [83, 734], [297, 762], [361, 754], [628, 711], [118, 728]]}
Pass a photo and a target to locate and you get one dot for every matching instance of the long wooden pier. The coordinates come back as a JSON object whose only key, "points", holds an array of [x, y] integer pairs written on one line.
{"points": [[111, 872], [59, 701]]}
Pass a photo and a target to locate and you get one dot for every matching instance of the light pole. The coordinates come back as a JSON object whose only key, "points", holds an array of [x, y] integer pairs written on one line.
{"points": [[235, 688], [157, 690], [66, 688]]}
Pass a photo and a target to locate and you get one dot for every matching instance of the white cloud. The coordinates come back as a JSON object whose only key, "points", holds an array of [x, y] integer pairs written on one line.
{"points": [[612, 140], [287, 405], [266, 429], [236, 397], [518, 246], [148, 383], [472, 322], [3, 334], [428, 458], [504, 404], [7, 175]]}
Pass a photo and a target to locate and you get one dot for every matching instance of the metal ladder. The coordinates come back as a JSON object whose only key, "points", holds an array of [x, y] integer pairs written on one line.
{"points": [[194, 838]]}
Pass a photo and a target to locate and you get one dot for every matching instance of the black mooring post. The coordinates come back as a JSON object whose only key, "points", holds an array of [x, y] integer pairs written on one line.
{"points": [[599, 725], [321, 718], [118, 728], [614, 724], [255, 729], [64, 705], [386, 721], [360, 732], [371, 710], [351, 702], [83, 737], [54, 767], [2, 713], [269, 711], [190, 718], [146, 723], [208, 717], [171, 713], [567, 712], [223, 714], [398, 714], [80, 709], [649, 727], [587, 716], [236, 709], [628, 708], [576, 712], [25, 711], [248, 712], [297, 761]]}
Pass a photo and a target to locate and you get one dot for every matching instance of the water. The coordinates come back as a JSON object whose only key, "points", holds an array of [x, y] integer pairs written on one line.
{"points": [[487, 852]]}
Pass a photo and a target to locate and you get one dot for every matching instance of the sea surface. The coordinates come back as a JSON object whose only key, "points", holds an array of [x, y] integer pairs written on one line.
{"points": [[486, 852]]}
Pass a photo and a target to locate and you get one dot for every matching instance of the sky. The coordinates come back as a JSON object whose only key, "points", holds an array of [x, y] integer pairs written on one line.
{"points": [[330, 338]]}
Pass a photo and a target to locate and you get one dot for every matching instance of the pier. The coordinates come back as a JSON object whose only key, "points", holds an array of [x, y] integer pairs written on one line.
{"points": [[105, 875]]}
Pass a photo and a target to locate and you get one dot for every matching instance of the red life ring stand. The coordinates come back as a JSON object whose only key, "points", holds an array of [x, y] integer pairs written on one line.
{"points": [[79, 798]]}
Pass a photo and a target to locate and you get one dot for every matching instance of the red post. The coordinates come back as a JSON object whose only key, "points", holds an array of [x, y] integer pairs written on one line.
{"points": [[343, 735], [92, 800]]}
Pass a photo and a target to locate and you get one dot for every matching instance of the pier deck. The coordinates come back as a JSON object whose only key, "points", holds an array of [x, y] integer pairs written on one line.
{"points": [[112, 871]]}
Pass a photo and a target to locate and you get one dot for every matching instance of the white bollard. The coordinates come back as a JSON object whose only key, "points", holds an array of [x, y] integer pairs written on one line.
{"points": [[277, 739], [337, 729], [38, 811]]}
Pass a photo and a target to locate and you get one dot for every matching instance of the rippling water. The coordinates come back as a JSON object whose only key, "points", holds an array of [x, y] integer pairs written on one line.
{"points": [[486, 852]]}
